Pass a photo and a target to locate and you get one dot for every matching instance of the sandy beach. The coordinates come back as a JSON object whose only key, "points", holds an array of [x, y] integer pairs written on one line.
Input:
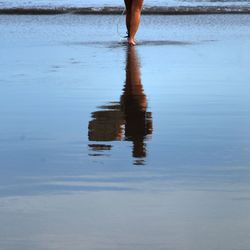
{"points": [[107, 147]]}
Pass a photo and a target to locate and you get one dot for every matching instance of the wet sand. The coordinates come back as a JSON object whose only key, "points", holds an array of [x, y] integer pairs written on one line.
{"points": [[107, 147]]}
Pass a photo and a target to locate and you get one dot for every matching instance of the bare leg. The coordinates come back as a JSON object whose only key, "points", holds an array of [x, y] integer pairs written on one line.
{"points": [[135, 20], [128, 4]]}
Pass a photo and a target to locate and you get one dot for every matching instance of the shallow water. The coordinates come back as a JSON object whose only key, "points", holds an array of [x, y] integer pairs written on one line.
{"points": [[98, 3], [108, 147]]}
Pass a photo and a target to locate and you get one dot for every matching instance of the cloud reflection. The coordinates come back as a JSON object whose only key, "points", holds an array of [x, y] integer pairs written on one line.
{"points": [[126, 120]]}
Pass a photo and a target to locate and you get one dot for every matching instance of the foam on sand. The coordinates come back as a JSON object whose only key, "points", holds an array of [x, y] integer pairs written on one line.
{"points": [[159, 10]]}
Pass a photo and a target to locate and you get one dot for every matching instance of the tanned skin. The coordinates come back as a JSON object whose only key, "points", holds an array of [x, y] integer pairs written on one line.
{"points": [[133, 15]]}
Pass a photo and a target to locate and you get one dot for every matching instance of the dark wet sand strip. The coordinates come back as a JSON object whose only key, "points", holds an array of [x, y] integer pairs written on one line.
{"points": [[160, 10]]}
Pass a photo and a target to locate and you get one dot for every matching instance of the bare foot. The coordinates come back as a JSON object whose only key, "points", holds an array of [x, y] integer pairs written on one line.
{"points": [[131, 41]]}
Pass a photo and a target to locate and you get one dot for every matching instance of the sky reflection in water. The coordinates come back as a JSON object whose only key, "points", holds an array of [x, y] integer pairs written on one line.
{"points": [[192, 193]]}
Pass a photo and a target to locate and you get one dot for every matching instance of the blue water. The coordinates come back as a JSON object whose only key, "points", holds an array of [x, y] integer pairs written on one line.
{"points": [[108, 147], [98, 3]]}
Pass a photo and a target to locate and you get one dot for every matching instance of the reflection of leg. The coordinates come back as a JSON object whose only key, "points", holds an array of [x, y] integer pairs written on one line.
{"points": [[128, 4], [135, 19]]}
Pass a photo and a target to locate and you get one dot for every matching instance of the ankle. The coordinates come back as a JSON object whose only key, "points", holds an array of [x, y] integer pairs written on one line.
{"points": [[131, 41]]}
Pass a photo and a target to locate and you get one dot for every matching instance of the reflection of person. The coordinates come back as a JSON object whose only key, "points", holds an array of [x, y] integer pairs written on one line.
{"points": [[129, 117], [134, 105], [133, 15]]}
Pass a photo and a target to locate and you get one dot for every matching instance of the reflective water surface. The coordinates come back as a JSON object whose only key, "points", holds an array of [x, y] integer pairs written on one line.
{"points": [[98, 3], [108, 147]]}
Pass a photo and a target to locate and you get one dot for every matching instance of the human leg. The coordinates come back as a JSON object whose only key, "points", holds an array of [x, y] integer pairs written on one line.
{"points": [[135, 16], [128, 4]]}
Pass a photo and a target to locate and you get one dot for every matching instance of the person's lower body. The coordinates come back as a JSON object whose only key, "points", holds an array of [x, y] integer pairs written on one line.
{"points": [[133, 15]]}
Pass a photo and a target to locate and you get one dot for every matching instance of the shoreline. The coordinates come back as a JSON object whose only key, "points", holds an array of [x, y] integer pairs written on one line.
{"points": [[161, 10]]}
